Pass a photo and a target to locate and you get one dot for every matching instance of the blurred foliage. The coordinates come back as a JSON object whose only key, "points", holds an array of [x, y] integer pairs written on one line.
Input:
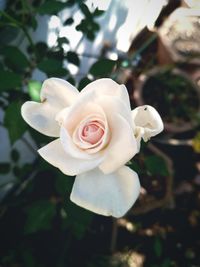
{"points": [[196, 142], [173, 94]]}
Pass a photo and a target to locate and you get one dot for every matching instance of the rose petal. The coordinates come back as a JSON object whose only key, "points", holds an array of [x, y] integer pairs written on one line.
{"points": [[147, 118], [114, 105], [82, 108], [122, 146], [70, 147], [56, 156], [55, 95], [107, 87], [70, 118], [106, 194]]}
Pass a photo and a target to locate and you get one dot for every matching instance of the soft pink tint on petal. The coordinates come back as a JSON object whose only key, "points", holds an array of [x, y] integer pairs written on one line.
{"points": [[106, 194], [92, 132], [56, 156], [71, 148]]}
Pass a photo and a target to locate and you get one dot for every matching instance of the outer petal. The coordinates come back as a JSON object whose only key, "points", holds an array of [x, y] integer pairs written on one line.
{"points": [[106, 194], [148, 119], [114, 105], [55, 155], [108, 87], [56, 94], [122, 146]]}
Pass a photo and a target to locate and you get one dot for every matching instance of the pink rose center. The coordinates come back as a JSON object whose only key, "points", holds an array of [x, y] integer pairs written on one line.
{"points": [[92, 132]]}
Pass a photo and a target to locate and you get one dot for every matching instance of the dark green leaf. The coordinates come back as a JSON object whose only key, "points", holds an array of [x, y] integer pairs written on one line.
{"points": [[158, 247], [8, 34], [79, 219], [73, 58], [28, 258], [15, 58], [9, 80], [156, 165], [33, 23], [17, 171], [166, 263], [34, 88], [14, 122], [41, 49], [83, 82], [14, 155], [95, 27], [70, 3], [62, 40], [68, 21], [40, 216], [90, 35], [63, 184], [4, 167], [52, 67], [103, 67], [71, 80], [51, 7], [134, 166], [98, 12], [85, 10]]}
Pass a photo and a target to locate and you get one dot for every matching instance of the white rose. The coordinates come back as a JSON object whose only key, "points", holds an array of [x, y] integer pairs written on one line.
{"points": [[97, 135]]}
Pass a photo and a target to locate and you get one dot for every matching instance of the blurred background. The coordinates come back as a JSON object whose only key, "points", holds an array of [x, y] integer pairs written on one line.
{"points": [[151, 46]]}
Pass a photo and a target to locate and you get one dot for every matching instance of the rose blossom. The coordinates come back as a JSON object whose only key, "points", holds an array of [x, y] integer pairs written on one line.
{"points": [[97, 134]]}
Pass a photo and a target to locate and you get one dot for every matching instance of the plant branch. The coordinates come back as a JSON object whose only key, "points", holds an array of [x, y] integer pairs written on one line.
{"points": [[16, 23]]}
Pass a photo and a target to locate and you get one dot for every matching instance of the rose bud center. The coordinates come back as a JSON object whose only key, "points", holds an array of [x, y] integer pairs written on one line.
{"points": [[92, 132]]}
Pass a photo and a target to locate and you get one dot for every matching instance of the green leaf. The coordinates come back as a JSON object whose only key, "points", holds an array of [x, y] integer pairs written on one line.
{"points": [[9, 80], [156, 165], [134, 166], [14, 122], [51, 7], [17, 171], [34, 88], [15, 58], [166, 263], [53, 67], [98, 12], [90, 35], [83, 82], [71, 80], [40, 216], [95, 26], [14, 155], [41, 49], [68, 22], [85, 10], [70, 3], [4, 167], [62, 40], [73, 58], [63, 184], [103, 67], [28, 258], [158, 247], [79, 219], [8, 34]]}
